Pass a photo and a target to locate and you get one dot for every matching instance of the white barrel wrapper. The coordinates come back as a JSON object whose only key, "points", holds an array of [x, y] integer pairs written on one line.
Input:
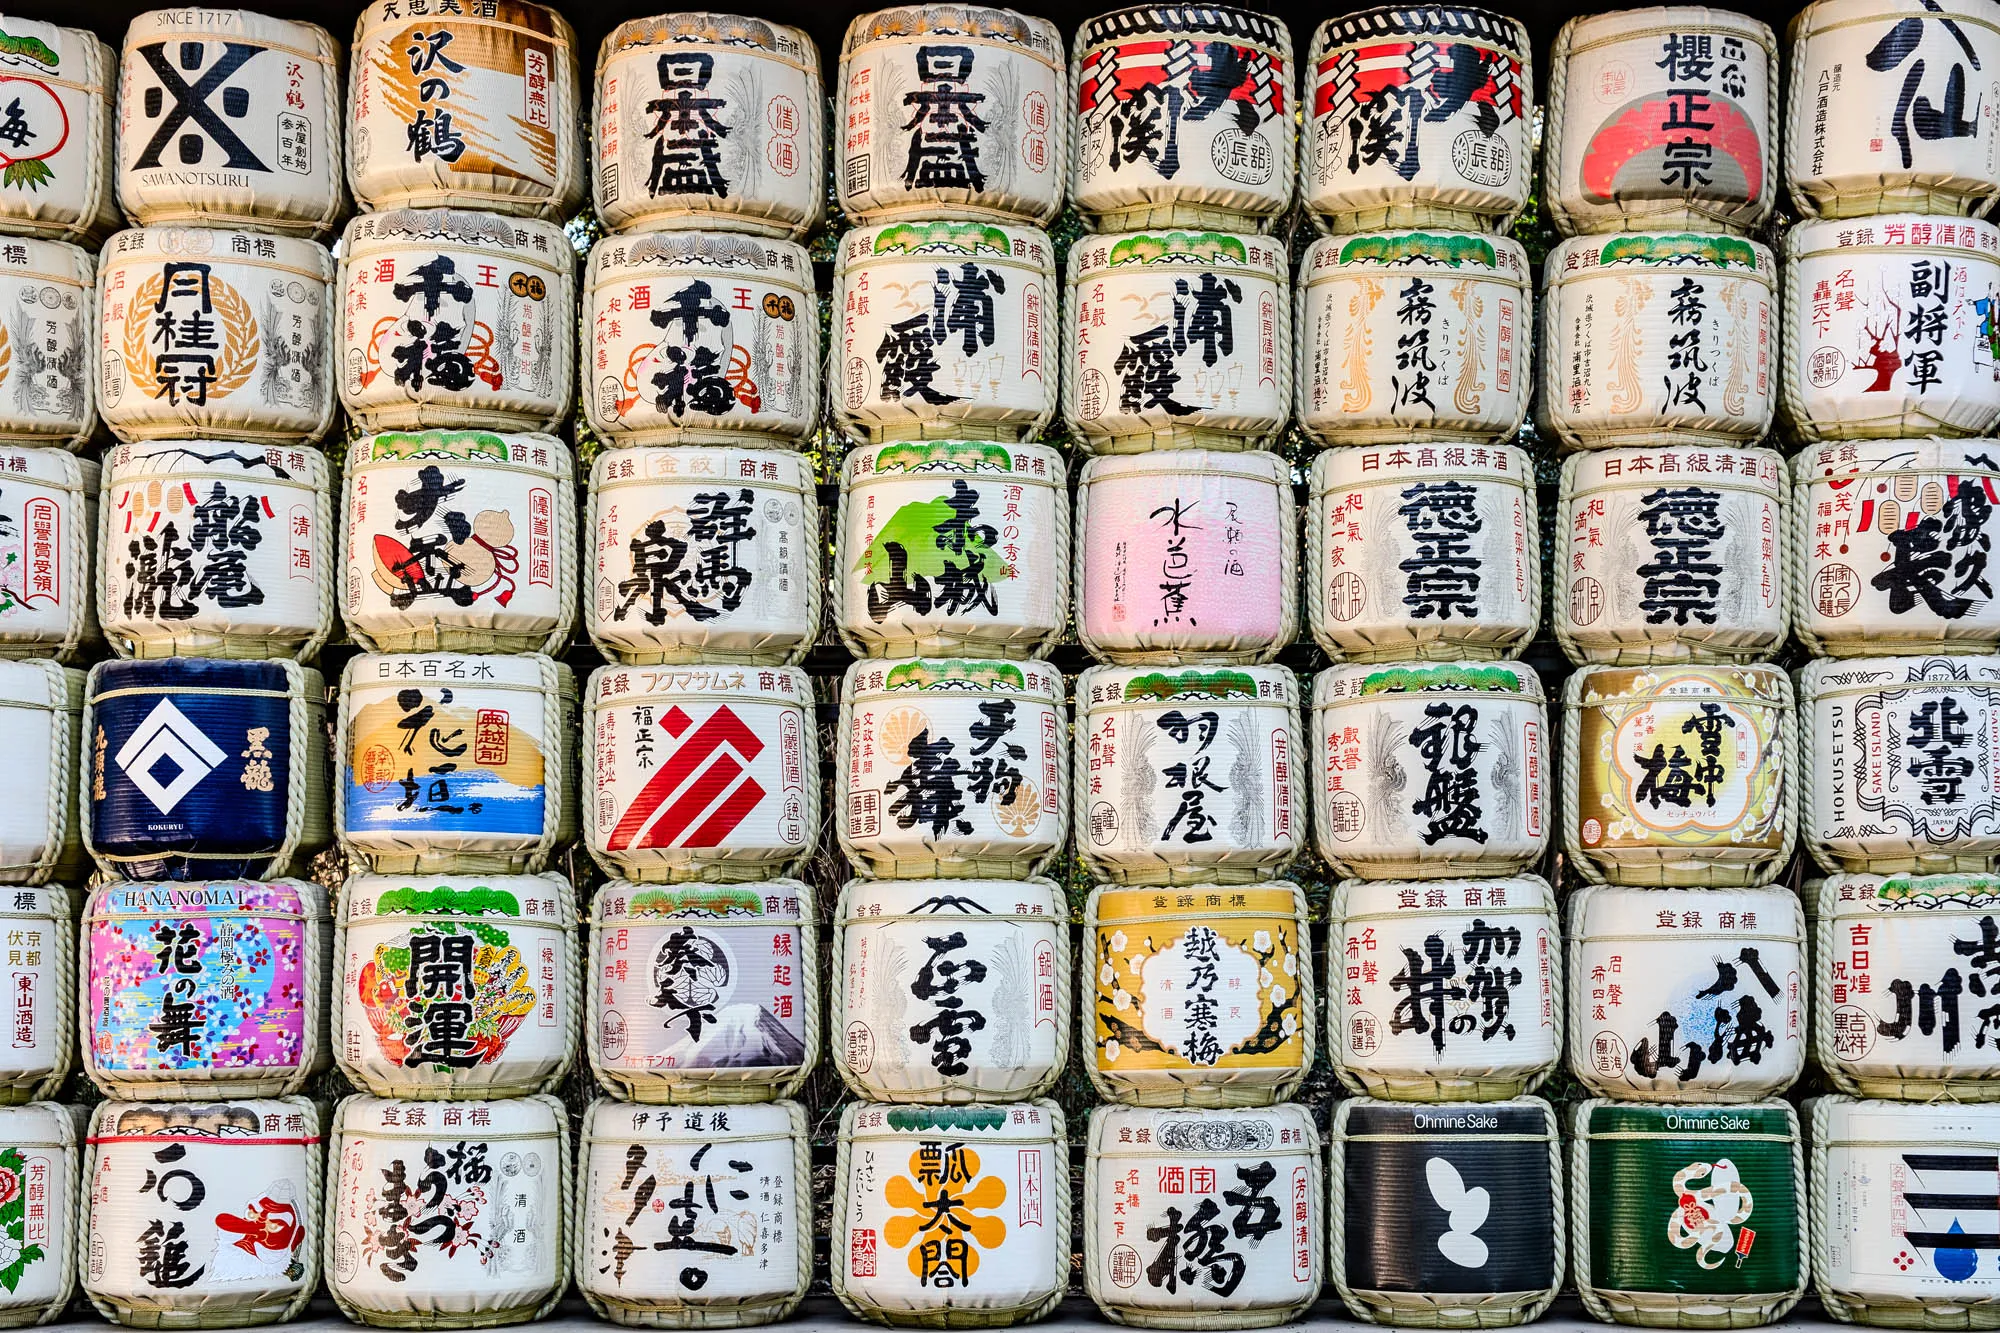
{"points": [[1686, 994], [1413, 336], [48, 342], [944, 330], [58, 183], [708, 554], [1672, 554], [48, 536], [951, 990], [1427, 551], [1447, 990], [700, 772], [40, 1000], [1188, 775], [700, 337], [736, 1230], [41, 719], [458, 539], [742, 146]]}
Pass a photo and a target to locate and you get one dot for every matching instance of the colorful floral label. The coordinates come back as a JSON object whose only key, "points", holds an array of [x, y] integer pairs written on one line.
{"points": [[38, 1198]]}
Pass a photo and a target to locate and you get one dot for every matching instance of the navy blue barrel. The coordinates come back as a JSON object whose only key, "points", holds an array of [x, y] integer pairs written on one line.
{"points": [[1446, 1213], [197, 768]]}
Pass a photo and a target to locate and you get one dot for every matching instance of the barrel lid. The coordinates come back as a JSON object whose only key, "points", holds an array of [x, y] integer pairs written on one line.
{"points": [[702, 465], [1460, 22], [1921, 897], [1812, 236], [1106, 687], [1675, 250], [216, 246], [1598, 1118], [540, 899], [1204, 19], [1826, 15], [1594, 685], [1510, 894], [1604, 910], [1249, 464], [395, 1117], [942, 236], [1033, 36], [1179, 252], [1169, 1131], [1193, 903], [1459, 253], [614, 685], [464, 670], [1830, 675], [1847, 458], [27, 902], [465, 448], [620, 258], [231, 897], [607, 1121], [37, 1125], [527, 14], [886, 678], [1366, 1116], [768, 901], [734, 32], [1031, 463], [1017, 1122], [952, 899], [1692, 19], [1392, 464], [278, 1120], [1869, 1123], [1355, 681], [300, 467], [46, 261], [307, 39], [167, 674], [38, 684], [521, 238]]}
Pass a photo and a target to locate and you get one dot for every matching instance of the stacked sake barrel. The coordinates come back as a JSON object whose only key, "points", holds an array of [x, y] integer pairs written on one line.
{"points": [[1683, 954], [457, 956], [1203, 1181], [1890, 384], [701, 381], [1430, 759], [951, 967]]}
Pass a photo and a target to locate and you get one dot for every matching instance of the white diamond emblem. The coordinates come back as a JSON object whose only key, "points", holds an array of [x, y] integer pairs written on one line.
{"points": [[167, 734]]}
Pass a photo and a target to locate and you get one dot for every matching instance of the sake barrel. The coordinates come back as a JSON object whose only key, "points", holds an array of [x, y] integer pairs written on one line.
{"points": [[1679, 775], [1418, 117], [703, 554], [458, 540], [1473, 1010], [48, 527], [180, 1238], [1677, 553], [1895, 1189], [1666, 1199], [709, 120], [1902, 1029], [704, 992], [953, 767], [61, 186], [1200, 995], [413, 1181], [41, 711], [1186, 557], [40, 1002], [1413, 337], [951, 990], [1413, 1244], [1662, 117], [213, 988], [1203, 1219], [456, 987], [1177, 339], [203, 769], [952, 546], [1423, 551], [1718, 1017], [456, 319], [1860, 134], [972, 1204], [226, 115], [483, 744], [945, 331], [1890, 329], [38, 1156], [48, 356], [737, 1238], [700, 338], [469, 108], [1696, 370], [1890, 542], [1430, 769], [215, 550], [1187, 775], [215, 335], [701, 772], [1183, 118], [1906, 763], [974, 115]]}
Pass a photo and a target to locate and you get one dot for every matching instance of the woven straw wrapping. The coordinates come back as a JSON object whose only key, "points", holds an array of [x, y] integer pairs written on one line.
{"points": [[949, 1314], [1448, 1078], [1504, 623], [561, 1201], [1671, 1309], [1571, 208], [1251, 468], [78, 217], [637, 1312], [705, 1085], [62, 850], [989, 1078], [57, 920], [1436, 1309], [68, 1213], [1189, 1085], [28, 422], [205, 1309], [1198, 1308], [307, 823], [489, 1076]]}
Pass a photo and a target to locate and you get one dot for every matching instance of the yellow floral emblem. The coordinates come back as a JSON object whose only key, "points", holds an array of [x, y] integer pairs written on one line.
{"points": [[938, 1205]]}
